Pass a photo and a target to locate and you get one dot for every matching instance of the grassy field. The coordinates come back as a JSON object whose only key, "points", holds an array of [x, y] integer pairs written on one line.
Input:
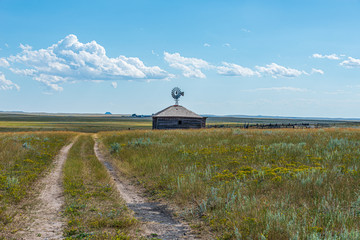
{"points": [[92, 206], [81, 126], [76, 123], [24, 157], [237, 183], [10, 122], [251, 184]]}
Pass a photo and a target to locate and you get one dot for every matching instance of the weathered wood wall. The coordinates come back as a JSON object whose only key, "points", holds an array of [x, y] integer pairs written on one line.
{"points": [[178, 123]]}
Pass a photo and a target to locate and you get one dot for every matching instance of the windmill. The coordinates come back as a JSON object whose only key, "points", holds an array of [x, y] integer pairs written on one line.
{"points": [[176, 116], [176, 93]]}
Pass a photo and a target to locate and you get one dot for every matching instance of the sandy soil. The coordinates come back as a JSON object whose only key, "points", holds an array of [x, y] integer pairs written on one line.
{"points": [[157, 218], [44, 221]]}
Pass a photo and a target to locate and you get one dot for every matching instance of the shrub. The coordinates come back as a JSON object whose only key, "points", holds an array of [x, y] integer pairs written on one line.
{"points": [[138, 142], [115, 148]]}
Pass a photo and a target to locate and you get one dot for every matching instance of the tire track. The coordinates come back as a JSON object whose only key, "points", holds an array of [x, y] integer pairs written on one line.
{"points": [[45, 220], [157, 218]]}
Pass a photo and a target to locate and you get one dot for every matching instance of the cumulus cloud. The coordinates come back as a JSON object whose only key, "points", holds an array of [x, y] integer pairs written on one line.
{"points": [[6, 84], [331, 56], [231, 69], [314, 70], [71, 60], [4, 62], [190, 67], [114, 84], [206, 45], [351, 62], [277, 71]]}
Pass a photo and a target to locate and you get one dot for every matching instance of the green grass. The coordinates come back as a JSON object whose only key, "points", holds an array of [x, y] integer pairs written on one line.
{"points": [[92, 206], [10, 122], [23, 159], [251, 184], [79, 126]]}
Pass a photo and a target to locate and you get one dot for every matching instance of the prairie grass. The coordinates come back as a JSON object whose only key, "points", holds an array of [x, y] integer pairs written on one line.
{"points": [[251, 184], [78, 126], [93, 208], [98, 122], [24, 157]]}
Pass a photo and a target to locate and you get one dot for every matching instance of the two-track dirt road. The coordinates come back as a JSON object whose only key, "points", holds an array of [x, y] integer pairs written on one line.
{"points": [[45, 221]]}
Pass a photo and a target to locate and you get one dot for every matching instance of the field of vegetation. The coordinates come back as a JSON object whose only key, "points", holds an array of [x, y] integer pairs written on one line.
{"points": [[251, 184], [24, 157], [76, 123], [96, 123], [235, 183]]}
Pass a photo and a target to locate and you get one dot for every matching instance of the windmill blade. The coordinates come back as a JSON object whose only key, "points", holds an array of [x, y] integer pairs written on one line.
{"points": [[176, 93]]}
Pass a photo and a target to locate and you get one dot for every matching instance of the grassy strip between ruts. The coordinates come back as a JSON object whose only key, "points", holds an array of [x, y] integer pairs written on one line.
{"points": [[24, 157], [93, 208], [251, 184]]}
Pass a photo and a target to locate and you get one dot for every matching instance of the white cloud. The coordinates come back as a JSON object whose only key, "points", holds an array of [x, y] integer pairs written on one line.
{"points": [[51, 81], [114, 84], [231, 69], [291, 89], [351, 62], [190, 67], [314, 70], [331, 56], [245, 30], [26, 72], [71, 60], [336, 92], [6, 84], [353, 86], [154, 53], [226, 45], [206, 45], [277, 71], [4, 62]]}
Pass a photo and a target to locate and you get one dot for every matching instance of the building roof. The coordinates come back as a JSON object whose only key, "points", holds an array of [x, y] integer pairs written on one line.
{"points": [[177, 111]]}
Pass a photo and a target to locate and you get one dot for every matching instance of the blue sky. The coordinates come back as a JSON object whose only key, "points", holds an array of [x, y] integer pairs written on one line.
{"points": [[280, 58]]}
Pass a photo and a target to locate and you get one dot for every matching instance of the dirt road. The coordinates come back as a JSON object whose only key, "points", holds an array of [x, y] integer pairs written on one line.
{"points": [[44, 221], [158, 220]]}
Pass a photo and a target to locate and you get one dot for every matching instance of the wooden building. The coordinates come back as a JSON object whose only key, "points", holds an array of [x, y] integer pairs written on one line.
{"points": [[177, 117]]}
